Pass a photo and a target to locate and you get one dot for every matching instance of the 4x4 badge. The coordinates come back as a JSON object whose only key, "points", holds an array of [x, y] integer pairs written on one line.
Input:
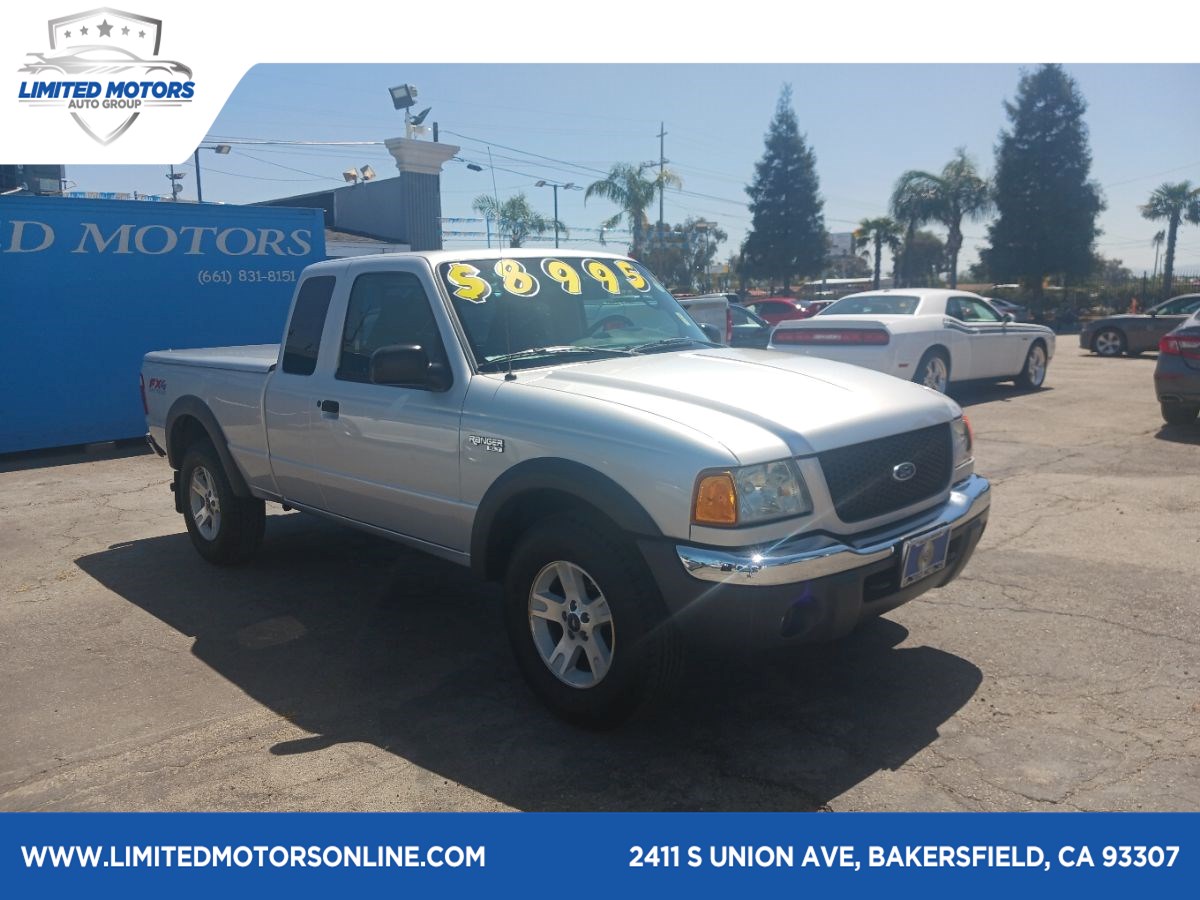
{"points": [[491, 444]]}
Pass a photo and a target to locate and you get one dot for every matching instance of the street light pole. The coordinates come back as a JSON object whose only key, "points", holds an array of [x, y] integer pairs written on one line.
{"points": [[220, 150], [554, 185], [199, 187]]}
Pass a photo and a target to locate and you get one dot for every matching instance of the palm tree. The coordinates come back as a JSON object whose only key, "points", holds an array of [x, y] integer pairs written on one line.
{"points": [[626, 186], [882, 231], [515, 216], [957, 193], [1156, 242], [1175, 203], [913, 204]]}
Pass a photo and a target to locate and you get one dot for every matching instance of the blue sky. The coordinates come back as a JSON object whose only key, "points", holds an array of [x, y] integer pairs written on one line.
{"points": [[865, 123]]}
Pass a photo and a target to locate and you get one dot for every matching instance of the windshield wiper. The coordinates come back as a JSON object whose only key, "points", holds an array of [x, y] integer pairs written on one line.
{"points": [[563, 350], [668, 343]]}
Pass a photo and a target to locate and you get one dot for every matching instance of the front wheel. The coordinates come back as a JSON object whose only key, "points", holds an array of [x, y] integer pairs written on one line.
{"points": [[586, 623], [1179, 413], [933, 371], [224, 528], [1033, 374], [1109, 342]]}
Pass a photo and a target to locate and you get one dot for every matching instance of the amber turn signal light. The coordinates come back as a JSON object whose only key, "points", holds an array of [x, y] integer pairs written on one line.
{"points": [[716, 500]]}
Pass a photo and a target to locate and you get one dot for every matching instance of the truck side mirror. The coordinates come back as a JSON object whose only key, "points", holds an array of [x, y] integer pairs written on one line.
{"points": [[407, 365], [1009, 317], [713, 333]]}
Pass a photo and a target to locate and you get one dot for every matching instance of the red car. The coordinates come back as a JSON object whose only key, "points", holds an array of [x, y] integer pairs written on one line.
{"points": [[778, 309]]}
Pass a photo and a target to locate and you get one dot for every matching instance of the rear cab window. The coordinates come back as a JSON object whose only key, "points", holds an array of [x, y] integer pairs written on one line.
{"points": [[307, 325]]}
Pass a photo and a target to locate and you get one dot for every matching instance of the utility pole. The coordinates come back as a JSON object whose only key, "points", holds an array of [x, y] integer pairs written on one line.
{"points": [[662, 162]]}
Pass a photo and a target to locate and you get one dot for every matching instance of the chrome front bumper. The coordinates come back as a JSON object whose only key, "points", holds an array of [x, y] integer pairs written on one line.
{"points": [[805, 558]]}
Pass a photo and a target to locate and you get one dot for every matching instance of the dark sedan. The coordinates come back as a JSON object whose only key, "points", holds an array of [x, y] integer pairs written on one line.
{"points": [[1177, 375], [1136, 333]]}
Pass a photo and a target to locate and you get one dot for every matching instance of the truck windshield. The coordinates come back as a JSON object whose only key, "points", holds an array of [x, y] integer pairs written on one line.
{"points": [[548, 310]]}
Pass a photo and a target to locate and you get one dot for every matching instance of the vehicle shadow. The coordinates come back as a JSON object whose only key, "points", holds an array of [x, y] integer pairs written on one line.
{"points": [[981, 392], [353, 638], [52, 457], [1180, 434]]}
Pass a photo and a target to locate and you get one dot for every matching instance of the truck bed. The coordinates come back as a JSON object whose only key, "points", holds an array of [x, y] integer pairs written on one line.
{"points": [[230, 381], [250, 358]]}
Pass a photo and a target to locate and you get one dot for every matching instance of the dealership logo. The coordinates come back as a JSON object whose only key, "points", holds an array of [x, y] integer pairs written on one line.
{"points": [[103, 67]]}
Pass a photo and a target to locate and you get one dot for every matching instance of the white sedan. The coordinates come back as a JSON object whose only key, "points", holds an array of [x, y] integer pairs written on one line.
{"points": [[930, 336]]}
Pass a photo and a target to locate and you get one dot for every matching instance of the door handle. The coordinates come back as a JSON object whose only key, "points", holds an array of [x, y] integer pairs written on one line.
{"points": [[330, 406]]}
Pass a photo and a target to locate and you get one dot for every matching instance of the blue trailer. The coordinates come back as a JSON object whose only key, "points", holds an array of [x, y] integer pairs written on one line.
{"points": [[89, 286]]}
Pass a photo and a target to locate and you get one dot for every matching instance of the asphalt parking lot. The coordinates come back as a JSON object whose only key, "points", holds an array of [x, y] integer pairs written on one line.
{"points": [[338, 671]]}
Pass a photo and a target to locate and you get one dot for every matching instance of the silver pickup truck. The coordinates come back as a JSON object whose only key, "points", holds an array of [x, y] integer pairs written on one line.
{"points": [[558, 423]]}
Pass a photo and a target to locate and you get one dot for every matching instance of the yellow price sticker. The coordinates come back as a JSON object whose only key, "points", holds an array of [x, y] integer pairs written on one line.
{"points": [[636, 279], [517, 280], [603, 274], [466, 282], [564, 273]]}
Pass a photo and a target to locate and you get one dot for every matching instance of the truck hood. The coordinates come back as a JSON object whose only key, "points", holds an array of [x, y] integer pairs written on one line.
{"points": [[751, 401]]}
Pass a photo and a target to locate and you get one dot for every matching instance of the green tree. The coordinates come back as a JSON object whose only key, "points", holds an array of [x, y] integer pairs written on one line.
{"points": [[682, 253], [880, 232], [957, 193], [925, 258], [515, 218], [913, 204], [1175, 203], [628, 187], [1046, 205], [787, 231]]}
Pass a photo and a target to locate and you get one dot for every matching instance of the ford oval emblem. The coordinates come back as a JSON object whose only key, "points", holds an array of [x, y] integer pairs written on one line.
{"points": [[904, 471]]}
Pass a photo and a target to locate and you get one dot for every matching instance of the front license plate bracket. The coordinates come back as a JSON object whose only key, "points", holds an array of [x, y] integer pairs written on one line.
{"points": [[924, 556]]}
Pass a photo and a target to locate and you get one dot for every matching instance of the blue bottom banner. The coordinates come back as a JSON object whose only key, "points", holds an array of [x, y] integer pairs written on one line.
{"points": [[581, 855]]}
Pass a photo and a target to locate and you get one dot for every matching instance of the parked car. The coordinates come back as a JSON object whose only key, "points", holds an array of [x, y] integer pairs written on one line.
{"points": [[1005, 307], [930, 336], [1177, 373], [712, 313], [748, 329], [562, 426], [780, 309], [1134, 333]]}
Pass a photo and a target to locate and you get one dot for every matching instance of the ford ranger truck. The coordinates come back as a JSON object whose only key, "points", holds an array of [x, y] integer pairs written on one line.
{"points": [[555, 421]]}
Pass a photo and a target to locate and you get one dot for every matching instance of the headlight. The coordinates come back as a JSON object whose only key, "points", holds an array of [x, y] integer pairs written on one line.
{"points": [[751, 495], [963, 440]]}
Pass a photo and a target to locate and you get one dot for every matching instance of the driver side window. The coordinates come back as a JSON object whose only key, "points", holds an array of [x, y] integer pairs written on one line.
{"points": [[386, 309]]}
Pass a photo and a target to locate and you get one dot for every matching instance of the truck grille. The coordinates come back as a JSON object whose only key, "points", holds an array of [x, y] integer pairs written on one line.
{"points": [[860, 476]]}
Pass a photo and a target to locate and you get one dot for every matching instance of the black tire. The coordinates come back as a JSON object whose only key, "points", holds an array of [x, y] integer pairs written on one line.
{"points": [[235, 533], [646, 651], [1179, 413], [1109, 342], [1027, 379], [923, 374]]}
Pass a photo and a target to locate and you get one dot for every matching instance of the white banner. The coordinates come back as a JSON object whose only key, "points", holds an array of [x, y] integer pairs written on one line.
{"points": [[142, 83]]}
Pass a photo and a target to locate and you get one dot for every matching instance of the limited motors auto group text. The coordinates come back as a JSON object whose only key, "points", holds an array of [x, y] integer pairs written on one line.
{"points": [[930, 856]]}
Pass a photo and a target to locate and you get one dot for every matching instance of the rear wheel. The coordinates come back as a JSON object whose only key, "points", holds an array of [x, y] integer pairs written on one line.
{"points": [[1109, 342], [586, 622], [1033, 374], [224, 528], [933, 371], [1179, 413]]}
